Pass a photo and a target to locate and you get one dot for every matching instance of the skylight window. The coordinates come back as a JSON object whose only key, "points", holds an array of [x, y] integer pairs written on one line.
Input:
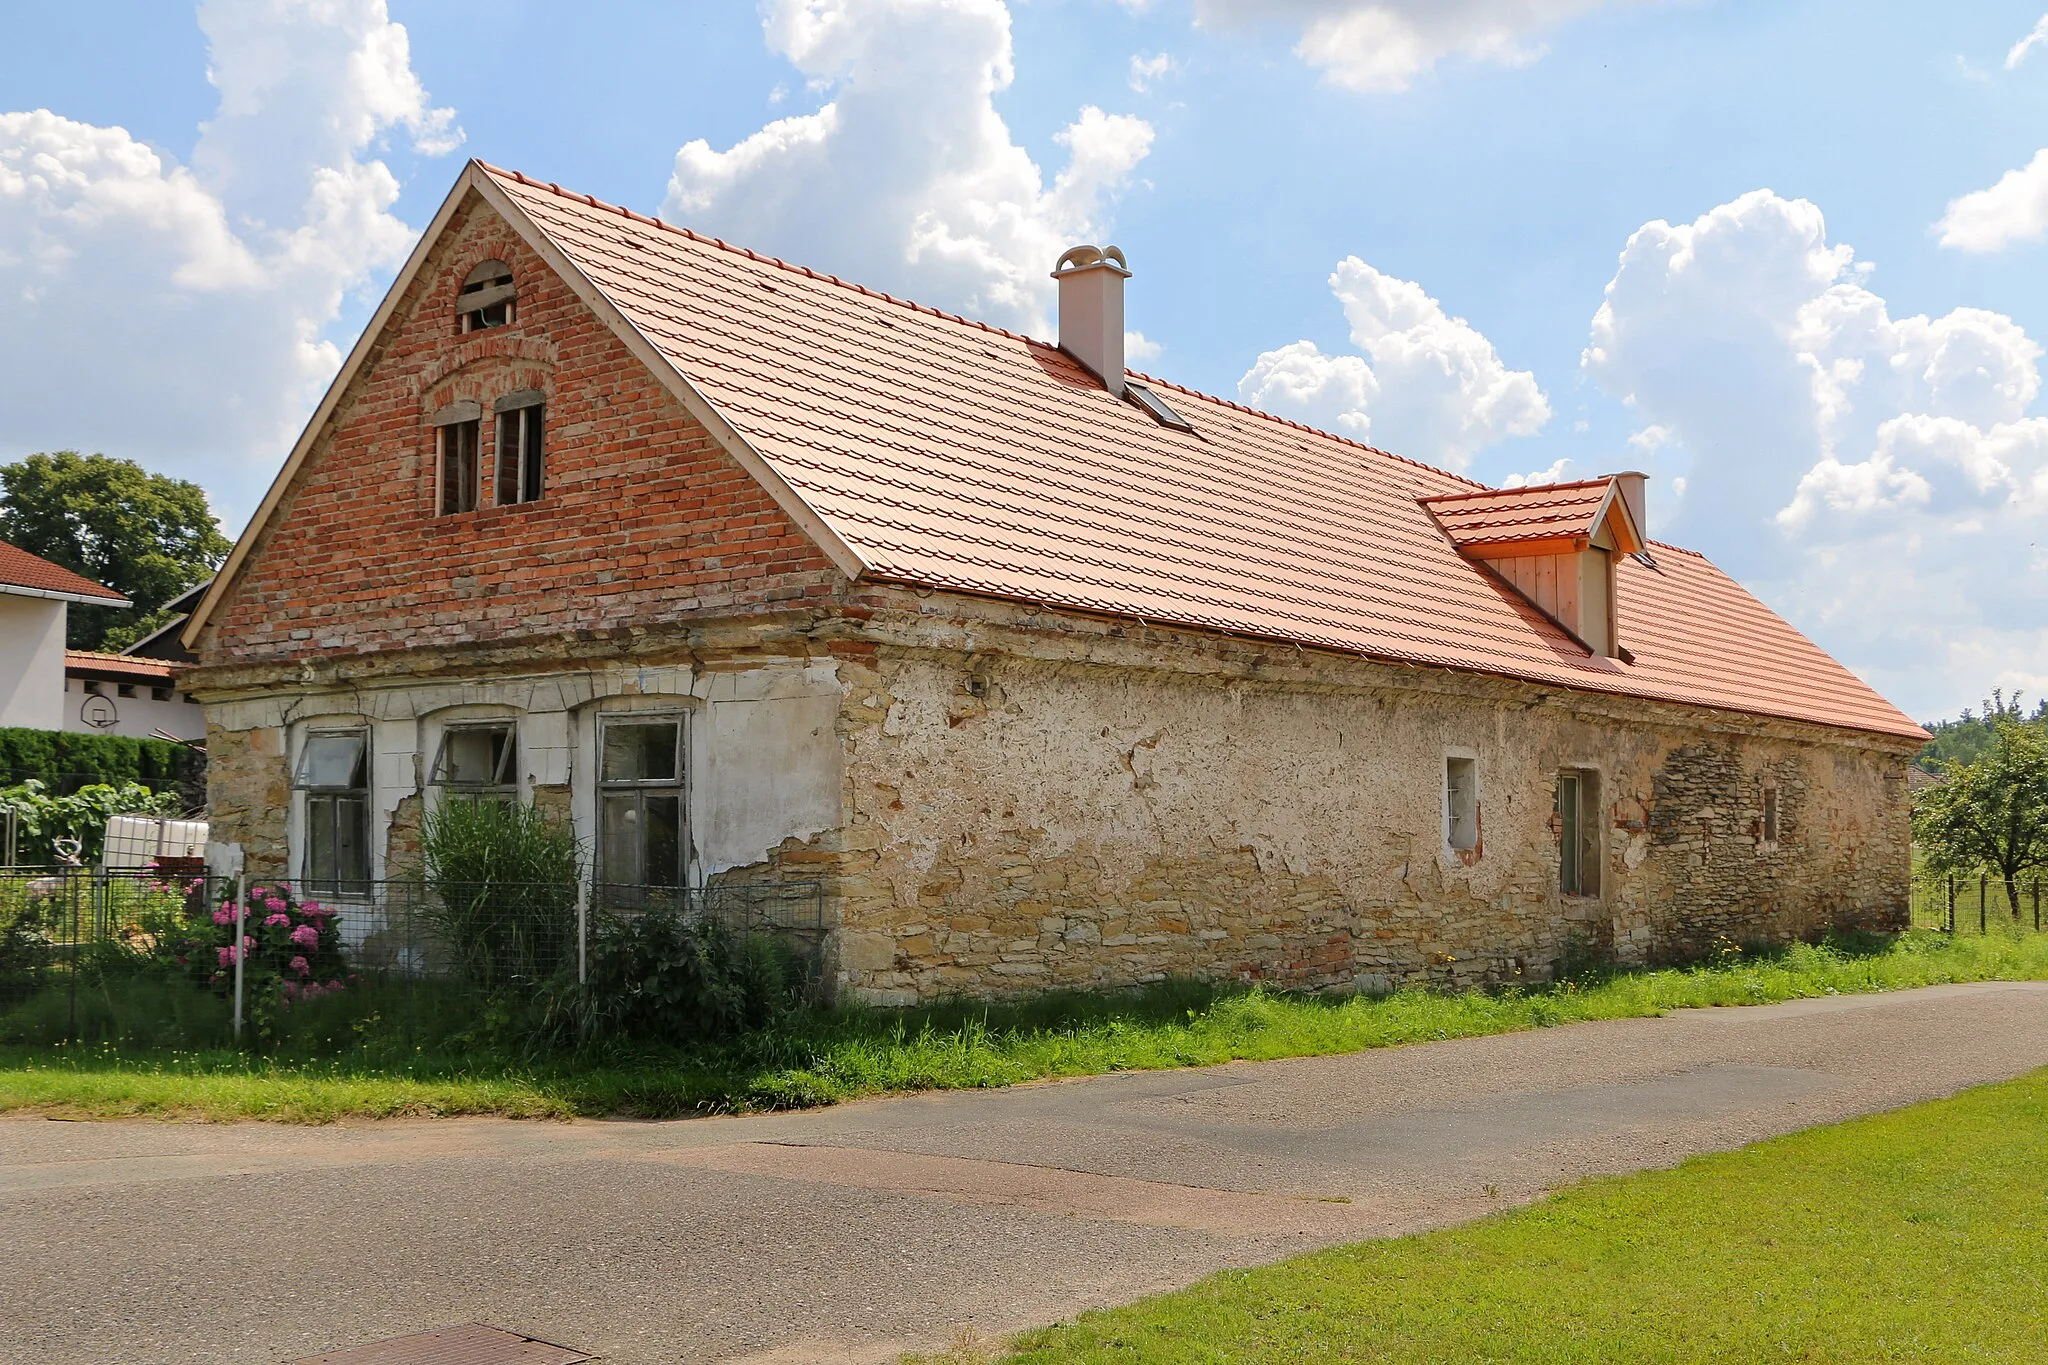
{"points": [[1151, 402]]}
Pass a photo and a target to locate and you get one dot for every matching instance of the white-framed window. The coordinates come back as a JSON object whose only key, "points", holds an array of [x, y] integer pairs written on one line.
{"points": [[641, 800], [333, 786], [1461, 803], [487, 298], [478, 761], [1578, 832], [521, 445]]}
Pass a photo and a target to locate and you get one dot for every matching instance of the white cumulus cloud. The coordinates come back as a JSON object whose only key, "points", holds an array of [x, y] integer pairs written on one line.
{"points": [[1428, 385], [1383, 45], [2036, 37], [906, 178], [2015, 209], [175, 313], [1878, 477]]}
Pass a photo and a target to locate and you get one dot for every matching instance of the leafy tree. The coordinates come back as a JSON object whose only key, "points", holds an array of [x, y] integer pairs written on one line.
{"points": [[1991, 813], [1963, 739], [146, 536]]}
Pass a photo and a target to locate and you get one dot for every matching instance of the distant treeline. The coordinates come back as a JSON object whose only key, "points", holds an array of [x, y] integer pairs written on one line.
{"points": [[1962, 740]]}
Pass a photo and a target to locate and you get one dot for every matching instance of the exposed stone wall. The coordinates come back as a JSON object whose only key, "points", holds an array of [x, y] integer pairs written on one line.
{"points": [[248, 793], [1044, 802]]}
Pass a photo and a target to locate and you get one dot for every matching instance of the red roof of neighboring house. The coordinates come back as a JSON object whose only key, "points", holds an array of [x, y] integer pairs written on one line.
{"points": [[80, 663], [21, 570], [1501, 515], [957, 455]]}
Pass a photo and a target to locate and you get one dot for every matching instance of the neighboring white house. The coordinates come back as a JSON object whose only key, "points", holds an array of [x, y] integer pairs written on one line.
{"points": [[34, 598]]}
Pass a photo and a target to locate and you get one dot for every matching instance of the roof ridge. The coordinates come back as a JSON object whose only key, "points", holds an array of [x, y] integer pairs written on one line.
{"points": [[1523, 488], [809, 272]]}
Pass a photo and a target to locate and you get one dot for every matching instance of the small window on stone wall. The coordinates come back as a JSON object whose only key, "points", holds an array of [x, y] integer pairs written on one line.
{"points": [[487, 298], [1767, 827], [1461, 803], [1578, 832]]}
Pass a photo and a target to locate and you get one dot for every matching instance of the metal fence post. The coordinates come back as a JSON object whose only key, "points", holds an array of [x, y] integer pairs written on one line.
{"points": [[1951, 902], [1983, 880], [241, 911], [71, 1030], [582, 933], [2037, 905]]}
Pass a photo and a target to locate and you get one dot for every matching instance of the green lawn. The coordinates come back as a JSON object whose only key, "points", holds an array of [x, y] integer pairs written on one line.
{"points": [[822, 1058], [1920, 1235]]}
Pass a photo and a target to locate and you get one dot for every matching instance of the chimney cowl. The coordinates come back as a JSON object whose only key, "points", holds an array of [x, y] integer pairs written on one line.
{"points": [[1091, 280]]}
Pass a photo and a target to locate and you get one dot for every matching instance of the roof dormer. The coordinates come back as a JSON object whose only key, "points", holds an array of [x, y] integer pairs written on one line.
{"points": [[1557, 544]]}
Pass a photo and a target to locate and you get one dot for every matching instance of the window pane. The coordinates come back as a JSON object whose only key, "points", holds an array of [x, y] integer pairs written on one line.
{"points": [[663, 865], [508, 458], [320, 840], [620, 817], [530, 454], [640, 752], [474, 756], [1568, 842], [351, 841], [332, 762]]}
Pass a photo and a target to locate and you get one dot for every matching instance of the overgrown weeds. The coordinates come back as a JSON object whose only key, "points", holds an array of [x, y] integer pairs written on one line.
{"points": [[329, 1062]]}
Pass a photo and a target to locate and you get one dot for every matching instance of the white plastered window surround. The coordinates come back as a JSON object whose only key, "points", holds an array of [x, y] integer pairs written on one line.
{"points": [[636, 766], [1460, 791], [329, 824]]}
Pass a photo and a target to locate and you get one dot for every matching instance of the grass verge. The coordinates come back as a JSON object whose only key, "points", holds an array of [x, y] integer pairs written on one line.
{"points": [[1916, 1235], [826, 1057]]}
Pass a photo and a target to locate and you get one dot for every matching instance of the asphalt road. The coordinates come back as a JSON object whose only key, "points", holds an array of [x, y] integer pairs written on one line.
{"points": [[857, 1232]]}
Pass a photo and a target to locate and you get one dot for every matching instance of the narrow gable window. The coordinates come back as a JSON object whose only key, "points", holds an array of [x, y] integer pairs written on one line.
{"points": [[458, 429], [1578, 832], [487, 298], [1461, 803], [521, 442]]}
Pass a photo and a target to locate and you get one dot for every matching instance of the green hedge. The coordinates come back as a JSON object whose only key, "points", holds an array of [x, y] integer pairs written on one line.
{"points": [[63, 761]]}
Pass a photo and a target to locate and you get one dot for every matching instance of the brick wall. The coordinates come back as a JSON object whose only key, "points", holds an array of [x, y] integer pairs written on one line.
{"points": [[645, 518]]}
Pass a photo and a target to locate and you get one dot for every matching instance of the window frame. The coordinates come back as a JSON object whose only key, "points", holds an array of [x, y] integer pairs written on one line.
{"points": [[324, 803], [1461, 827], [639, 790], [505, 778], [479, 295], [520, 434], [1770, 821], [1581, 847]]}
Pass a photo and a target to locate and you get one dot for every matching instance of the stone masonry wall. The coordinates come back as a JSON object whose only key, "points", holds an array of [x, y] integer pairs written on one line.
{"points": [[1042, 802]]}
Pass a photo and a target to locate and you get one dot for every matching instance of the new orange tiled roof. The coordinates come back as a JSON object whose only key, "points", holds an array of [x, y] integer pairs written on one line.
{"points": [[1498, 515], [956, 455], [20, 569]]}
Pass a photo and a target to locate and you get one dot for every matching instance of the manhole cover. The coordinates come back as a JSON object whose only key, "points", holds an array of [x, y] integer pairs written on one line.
{"points": [[470, 1344]]}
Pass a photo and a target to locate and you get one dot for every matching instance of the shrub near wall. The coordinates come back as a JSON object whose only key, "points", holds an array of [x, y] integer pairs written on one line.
{"points": [[63, 762]]}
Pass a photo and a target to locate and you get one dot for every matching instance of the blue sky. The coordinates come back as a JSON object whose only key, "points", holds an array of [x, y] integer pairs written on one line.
{"points": [[1394, 218]]}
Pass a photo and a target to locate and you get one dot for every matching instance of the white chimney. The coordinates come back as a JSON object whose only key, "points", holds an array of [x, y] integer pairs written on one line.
{"points": [[1092, 310]]}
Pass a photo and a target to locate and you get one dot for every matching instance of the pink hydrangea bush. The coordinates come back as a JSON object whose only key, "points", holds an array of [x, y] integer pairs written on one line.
{"points": [[291, 950]]}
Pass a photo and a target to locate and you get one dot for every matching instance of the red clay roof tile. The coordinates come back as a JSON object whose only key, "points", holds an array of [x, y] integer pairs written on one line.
{"points": [[957, 455], [20, 569]]}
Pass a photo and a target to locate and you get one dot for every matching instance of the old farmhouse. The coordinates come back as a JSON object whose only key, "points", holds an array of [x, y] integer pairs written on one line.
{"points": [[1048, 672]]}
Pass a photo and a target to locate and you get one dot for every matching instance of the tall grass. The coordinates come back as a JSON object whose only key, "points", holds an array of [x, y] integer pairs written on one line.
{"points": [[811, 1057], [501, 881]]}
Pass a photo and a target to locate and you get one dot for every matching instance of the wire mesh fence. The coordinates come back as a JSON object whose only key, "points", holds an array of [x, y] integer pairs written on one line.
{"points": [[169, 956], [1977, 903]]}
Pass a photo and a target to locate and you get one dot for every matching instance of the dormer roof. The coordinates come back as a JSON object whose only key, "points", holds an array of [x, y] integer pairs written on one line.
{"points": [[1557, 518]]}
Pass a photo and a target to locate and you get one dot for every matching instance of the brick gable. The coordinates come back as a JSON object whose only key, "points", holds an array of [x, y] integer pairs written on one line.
{"points": [[646, 519]]}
